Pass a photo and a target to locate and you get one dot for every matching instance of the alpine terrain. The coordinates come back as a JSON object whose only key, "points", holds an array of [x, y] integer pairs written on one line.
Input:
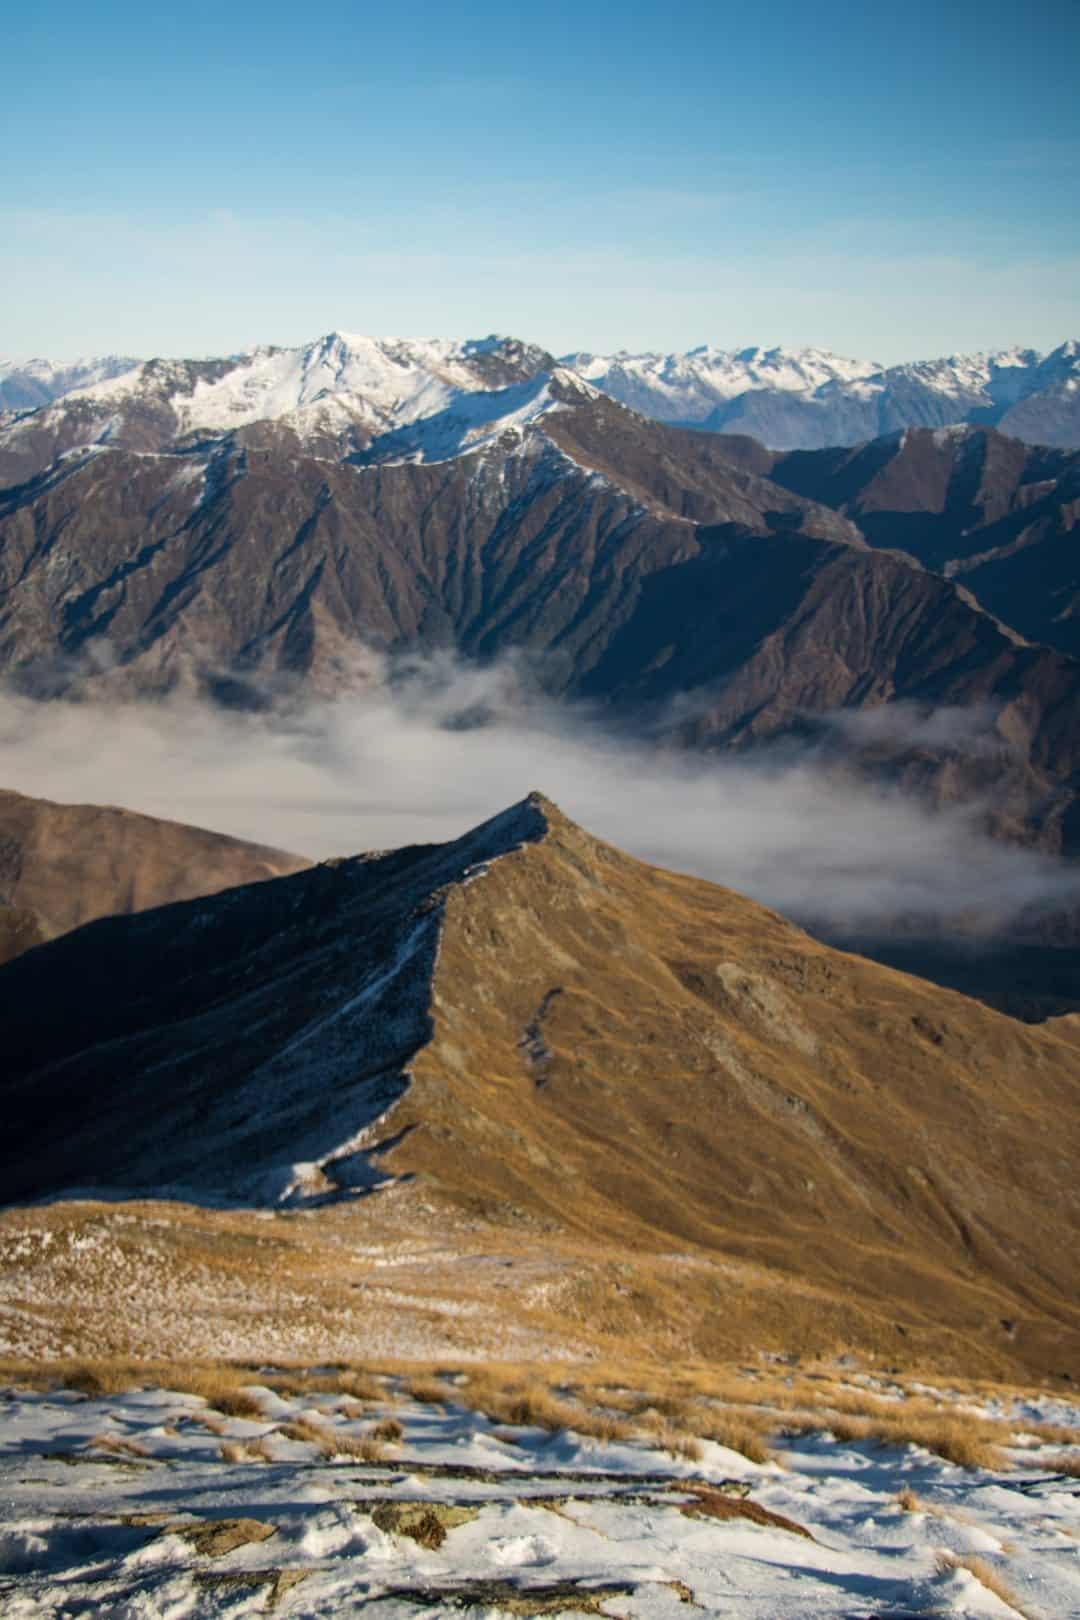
{"points": [[289, 520], [532, 1039]]}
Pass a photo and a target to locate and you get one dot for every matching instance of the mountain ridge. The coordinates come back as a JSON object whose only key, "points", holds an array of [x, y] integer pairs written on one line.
{"points": [[342, 389], [531, 1030]]}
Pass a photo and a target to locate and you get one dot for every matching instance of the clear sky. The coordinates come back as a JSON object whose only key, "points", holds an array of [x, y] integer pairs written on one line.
{"points": [[886, 180]]}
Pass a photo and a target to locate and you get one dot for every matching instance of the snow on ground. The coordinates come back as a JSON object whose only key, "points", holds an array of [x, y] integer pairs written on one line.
{"points": [[151, 1506]]}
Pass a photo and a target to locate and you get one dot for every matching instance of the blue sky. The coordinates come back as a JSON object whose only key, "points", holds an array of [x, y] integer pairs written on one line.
{"points": [[890, 182]]}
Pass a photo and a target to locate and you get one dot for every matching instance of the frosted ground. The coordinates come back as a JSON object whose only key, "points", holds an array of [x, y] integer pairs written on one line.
{"points": [[153, 1506]]}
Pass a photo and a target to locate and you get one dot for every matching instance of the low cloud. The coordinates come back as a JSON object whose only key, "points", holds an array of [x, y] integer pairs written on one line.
{"points": [[432, 748]]}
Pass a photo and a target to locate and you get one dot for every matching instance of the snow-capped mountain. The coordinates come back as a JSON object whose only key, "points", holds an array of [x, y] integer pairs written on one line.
{"points": [[382, 398], [807, 399], [331, 398], [688, 388], [378, 382], [27, 384]]}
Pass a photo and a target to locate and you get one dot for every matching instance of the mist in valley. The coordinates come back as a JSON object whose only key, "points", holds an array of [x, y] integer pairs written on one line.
{"points": [[424, 749]]}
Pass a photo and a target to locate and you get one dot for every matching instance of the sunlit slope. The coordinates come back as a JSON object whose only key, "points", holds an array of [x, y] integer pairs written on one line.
{"points": [[65, 864], [631, 1053], [547, 1038]]}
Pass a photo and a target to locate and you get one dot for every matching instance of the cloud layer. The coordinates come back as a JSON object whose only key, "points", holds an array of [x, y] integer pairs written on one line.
{"points": [[427, 754]]}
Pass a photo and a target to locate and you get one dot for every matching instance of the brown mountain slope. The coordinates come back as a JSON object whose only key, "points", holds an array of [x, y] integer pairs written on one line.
{"points": [[65, 864], [532, 1031], [631, 565], [997, 515]]}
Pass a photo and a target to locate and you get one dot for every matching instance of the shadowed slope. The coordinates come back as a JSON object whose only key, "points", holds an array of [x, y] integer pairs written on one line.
{"points": [[547, 1034], [997, 515], [231, 1046]]}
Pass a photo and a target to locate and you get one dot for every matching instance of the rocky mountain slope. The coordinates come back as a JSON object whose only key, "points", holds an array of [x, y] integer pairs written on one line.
{"points": [[638, 566], [528, 1029], [805, 399], [64, 864], [993, 513]]}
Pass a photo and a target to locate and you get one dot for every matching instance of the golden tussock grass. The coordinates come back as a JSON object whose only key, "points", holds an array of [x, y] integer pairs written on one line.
{"points": [[118, 1444], [209, 1420], [743, 1434], [528, 1403], [428, 1392], [741, 1407], [986, 1575], [331, 1442], [1066, 1462], [359, 1386], [686, 1446], [389, 1430], [257, 1450]]}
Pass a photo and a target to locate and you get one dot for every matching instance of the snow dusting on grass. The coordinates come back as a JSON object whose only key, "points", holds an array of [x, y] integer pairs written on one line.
{"points": [[317, 1503]]}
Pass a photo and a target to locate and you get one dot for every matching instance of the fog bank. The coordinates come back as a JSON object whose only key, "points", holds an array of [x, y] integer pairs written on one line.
{"points": [[425, 757]]}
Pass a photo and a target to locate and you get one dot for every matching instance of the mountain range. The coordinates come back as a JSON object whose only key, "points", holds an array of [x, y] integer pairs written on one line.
{"points": [[525, 1031], [692, 585], [341, 390], [806, 399], [529, 1030]]}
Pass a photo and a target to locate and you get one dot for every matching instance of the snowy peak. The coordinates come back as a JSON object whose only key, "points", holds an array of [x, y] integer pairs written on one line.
{"points": [[806, 399], [346, 395], [695, 382], [26, 385]]}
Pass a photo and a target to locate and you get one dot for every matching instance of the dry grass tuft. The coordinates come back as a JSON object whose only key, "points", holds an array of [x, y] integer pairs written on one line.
{"points": [[686, 1446], [389, 1430], [710, 1504], [118, 1444], [851, 1415], [307, 1433], [524, 1403], [257, 1450], [910, 1501], [1066, 1462], [209, 1420], [966, 1442], [100, 1378], [298, 1383], [232, 1399], [428, 1392], [332, 1443], [986, 1575], [603, 1426], [742, 1433]]}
